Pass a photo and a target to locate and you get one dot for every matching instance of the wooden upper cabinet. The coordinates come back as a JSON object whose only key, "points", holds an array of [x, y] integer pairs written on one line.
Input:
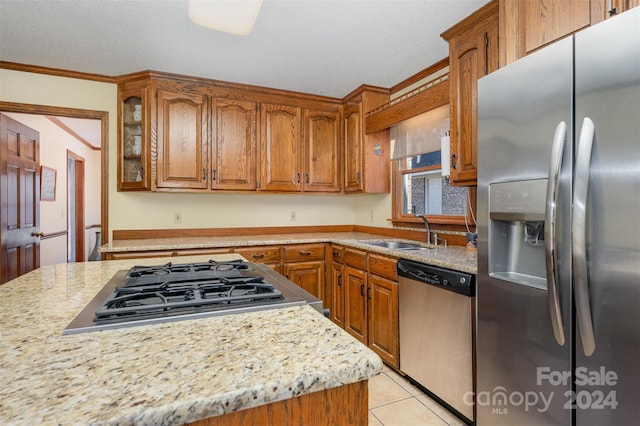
{"points": [[366, 158], [614, 7], [527, 25], [233, 151], [473, 53], [321, 151], [280, 148], [182, 141], [133, 138], [353, 148]]}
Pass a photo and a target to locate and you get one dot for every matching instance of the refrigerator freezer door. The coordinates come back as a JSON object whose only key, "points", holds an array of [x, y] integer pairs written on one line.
{"points": [[607, 82], [519, 109]]}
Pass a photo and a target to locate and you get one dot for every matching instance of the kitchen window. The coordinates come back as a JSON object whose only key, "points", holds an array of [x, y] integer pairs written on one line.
{"points": [[419, 186]]}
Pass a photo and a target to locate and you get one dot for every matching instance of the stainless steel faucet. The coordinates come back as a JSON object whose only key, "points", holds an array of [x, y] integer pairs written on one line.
{"points": [[426, 225]]}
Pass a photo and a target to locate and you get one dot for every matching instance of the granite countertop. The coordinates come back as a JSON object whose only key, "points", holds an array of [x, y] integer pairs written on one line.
{"points": [[168, 373], [453, 257]]}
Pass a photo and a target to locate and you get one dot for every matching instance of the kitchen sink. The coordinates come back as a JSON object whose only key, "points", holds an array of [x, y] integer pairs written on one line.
{"points": [[396, 245]]}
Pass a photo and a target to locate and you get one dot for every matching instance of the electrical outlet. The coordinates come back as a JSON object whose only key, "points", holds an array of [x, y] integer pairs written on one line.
{"points": [[292, 216], [177, 217]]}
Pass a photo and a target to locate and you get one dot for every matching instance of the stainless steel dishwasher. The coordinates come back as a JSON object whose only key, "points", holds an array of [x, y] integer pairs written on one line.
{"points": [[437, 317]]}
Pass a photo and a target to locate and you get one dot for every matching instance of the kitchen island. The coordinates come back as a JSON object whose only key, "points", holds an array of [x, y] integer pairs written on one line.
{"points": [[170, 373]]}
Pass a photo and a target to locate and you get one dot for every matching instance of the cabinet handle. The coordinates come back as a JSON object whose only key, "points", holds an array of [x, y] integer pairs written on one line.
{"points": [[358, 177], [258, 256], [304, 253], [306, 177], [297, 177], [339, 280], [368, 293], [486, 52], [362, 290], [142, 171], [213, 175], [204, 174], [454, 159]]}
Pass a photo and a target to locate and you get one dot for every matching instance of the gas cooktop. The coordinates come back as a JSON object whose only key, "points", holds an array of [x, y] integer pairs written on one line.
{"points": [[170, 292]]}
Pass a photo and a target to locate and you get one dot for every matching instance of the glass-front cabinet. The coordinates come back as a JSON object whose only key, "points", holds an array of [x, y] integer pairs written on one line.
{"points": [[133, 170]]}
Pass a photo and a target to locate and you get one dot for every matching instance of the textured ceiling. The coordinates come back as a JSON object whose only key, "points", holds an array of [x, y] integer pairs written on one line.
{"points": [[319, 47]]}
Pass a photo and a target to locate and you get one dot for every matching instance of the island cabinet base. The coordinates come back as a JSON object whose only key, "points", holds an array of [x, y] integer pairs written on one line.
{"points": [[344, 405]]}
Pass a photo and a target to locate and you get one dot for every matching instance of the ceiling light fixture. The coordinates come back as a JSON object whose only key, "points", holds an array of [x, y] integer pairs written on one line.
{"points": [[229, 16]]}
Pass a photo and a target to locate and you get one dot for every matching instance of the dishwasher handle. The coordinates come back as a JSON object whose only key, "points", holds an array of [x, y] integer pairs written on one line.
{"points": [[456, 281]]}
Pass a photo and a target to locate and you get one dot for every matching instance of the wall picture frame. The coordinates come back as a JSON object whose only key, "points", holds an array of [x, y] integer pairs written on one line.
{"points": [[47, 183]]}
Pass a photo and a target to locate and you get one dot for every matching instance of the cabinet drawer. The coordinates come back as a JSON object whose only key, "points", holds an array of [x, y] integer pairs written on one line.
{"points": [[383, 266], [337, 254], [264, 254], [303, 252], [355, 258]]}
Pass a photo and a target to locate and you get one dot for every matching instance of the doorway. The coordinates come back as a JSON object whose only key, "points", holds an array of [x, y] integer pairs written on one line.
{"points": [[100, 208]]}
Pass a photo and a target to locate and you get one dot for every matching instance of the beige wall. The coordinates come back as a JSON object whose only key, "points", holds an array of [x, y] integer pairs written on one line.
{"points": [[156, 210]]}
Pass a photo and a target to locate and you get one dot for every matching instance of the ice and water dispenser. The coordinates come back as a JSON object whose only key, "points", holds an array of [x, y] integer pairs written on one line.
{"points": [[516, 232]]}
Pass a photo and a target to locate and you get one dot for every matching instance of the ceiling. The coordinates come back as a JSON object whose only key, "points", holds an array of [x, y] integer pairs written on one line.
{"points": [[311, 46]]}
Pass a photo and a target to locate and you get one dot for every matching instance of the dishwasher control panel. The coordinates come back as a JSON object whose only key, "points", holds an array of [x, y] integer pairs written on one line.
{"points": [[448, 279]]}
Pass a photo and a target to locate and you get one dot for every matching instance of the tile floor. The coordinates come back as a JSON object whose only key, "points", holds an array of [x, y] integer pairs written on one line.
{"points": [[393, 401]]}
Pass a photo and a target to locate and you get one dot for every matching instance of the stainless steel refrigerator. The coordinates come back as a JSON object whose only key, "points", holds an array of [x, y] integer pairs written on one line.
{"points": [[558, 288]]}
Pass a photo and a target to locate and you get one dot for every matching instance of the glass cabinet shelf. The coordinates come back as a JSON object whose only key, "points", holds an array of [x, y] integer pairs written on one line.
{"points": [[132, 151]]}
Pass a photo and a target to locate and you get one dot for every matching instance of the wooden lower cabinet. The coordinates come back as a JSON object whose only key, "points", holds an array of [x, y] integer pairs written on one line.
{"points": [[337, 293], [383, 319], [308, 275], [355, 303], [304, 265], [345, 405], [365, 301]]}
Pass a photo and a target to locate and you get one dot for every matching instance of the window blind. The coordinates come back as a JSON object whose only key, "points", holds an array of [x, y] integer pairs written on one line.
{"points": [[421, 134]]}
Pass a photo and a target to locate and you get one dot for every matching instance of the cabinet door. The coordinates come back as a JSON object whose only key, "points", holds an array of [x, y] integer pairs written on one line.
{"points": [[280, 148], [133, 141], [321, 151], [308, 275], [528, 25], [353, 148], [383, 319], [547, 21], [337, 294], [472, 54], [355, 303], [181, 145], [233, 156]]}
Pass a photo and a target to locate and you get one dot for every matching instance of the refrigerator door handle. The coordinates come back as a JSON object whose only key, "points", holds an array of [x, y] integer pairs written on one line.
{"points": [[578, 237], [557, 149]]}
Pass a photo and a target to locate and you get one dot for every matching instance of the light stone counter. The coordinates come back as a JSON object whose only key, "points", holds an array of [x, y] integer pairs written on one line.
{"points": [[453, 257], [167, 373]]}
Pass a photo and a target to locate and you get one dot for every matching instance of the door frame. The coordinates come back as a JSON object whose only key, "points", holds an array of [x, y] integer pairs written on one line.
{"points": [[78, 210], [103, 116]]}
